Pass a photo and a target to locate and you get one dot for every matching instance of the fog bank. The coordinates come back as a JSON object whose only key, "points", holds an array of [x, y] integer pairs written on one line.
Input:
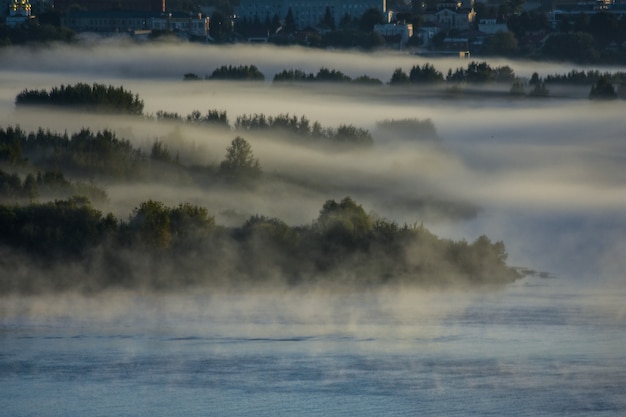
{"points": [[548, 176]]}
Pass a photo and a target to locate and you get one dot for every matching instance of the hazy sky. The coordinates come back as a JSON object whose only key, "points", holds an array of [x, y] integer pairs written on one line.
{"points": [[549, 176]]}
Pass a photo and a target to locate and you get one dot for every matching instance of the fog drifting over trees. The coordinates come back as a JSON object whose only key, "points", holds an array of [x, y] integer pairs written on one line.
{"points": [[546, 177]]}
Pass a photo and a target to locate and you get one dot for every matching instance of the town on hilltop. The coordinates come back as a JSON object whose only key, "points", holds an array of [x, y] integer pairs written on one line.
{"points": [[592, 31]]}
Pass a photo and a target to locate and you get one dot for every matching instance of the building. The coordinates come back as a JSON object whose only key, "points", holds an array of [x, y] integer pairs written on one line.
{"points": [[63, 6], [19, 13], [492, 26], [397, 34], [306, 13], [121, 21], [452, 15]]}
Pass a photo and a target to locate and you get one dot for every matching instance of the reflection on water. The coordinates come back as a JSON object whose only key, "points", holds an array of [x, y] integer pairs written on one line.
{"points": [[531, 350]]}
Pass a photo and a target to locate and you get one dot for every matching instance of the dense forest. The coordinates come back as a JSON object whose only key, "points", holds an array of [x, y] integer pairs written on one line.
{"points": [[48, 221], [69, 245], [49, 188]]}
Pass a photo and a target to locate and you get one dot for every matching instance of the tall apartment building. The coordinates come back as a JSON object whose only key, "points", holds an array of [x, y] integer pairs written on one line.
{"points": [[307, 12], [62, 6]]}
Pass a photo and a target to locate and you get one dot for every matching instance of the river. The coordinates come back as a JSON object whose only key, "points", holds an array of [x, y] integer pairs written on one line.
{"points": [[533, 349]]}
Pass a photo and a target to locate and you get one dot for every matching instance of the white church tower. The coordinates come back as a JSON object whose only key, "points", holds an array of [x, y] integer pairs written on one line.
{"points": [[19, 13]]}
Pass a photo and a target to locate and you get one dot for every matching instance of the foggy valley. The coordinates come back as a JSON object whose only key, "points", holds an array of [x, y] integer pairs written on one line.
{"points": [[501, 166], [318, 287]]}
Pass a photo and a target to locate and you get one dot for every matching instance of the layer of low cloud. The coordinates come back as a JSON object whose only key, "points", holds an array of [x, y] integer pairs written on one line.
{"points": [[548, 175]]}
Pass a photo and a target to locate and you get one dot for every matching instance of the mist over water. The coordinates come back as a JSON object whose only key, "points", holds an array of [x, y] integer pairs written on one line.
{"points": [[534, 349], [547, 177]]}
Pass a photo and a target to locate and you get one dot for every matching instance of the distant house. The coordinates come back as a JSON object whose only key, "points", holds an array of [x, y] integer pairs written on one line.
{"points": [[450, 15], [397, 34], [456, 44], [492, 26], [427, 33], [306, 12], [63, 6], [120, 21]]}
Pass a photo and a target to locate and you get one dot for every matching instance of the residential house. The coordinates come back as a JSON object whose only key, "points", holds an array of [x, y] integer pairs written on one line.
{"points": [[306, 12], [121, 21], [450, 15], [396, 34], [63, 6]]}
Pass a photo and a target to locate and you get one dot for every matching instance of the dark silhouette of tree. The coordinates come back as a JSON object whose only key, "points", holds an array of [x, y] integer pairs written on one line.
{"points": [[151, 221], [426, 74], [94, 98], [241, 72], [346, 21], [240, 162], [399, 77], [604, 26], [576, 47], [191, 77], [481, 72], [326, 75], [367, 80], [539, 90], [328, 20], [602, 90], [534, 79], [290, 22], [370, 18], [293, 75], [160, 152], [525, 22], [345, 246], [517, 89], [220, 26], [501, 44]]}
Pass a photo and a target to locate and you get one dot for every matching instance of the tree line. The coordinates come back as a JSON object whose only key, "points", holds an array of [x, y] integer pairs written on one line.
{"points": [[109, 99], [45, 185], [298, 127], [44, 33], [474, 73], [102, 155], [81, 96], [161, 247]]}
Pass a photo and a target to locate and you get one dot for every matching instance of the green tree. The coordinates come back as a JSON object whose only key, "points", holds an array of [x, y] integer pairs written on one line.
{"points": [[151, 222], [240, 162], [160, 152], [344, 224], [576, 47], [189, 224], [501, 44], [370, 18]]}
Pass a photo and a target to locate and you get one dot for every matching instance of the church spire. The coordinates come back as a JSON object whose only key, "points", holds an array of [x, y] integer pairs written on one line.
{"points": [[19, 8]]}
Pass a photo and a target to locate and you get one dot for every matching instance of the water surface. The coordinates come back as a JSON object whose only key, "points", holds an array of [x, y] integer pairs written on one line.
{"points": [[535, 349]]}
